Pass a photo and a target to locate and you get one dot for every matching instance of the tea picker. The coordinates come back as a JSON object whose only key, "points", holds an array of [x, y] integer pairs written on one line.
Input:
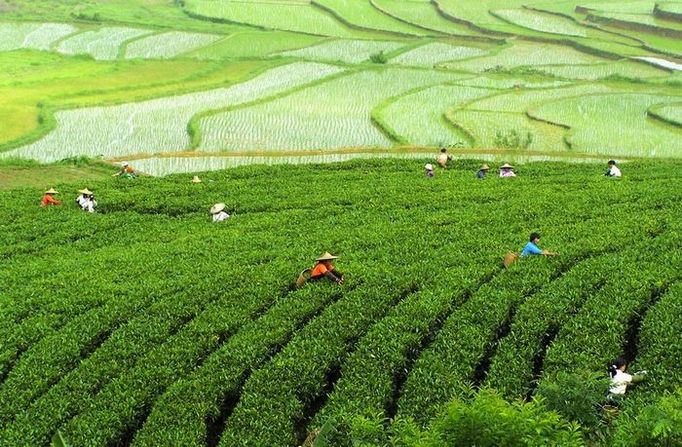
{"points": [[530, 249], [443, 158], [507, 170], [218, 212], [482, 172], [620, 380], [613, 170], [48, 198], [86, 200], [126, 171], [324, 268]]}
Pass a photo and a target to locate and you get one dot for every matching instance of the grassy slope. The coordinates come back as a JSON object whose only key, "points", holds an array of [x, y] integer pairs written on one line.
{"points": [[22, 174]]}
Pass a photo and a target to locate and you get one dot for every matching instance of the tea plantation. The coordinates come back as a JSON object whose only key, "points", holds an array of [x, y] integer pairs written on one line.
{"points": [[147, 324]]}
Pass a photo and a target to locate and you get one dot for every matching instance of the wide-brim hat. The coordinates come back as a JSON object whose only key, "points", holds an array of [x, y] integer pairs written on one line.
{"points": [[506, 166], [485, 168], [85, 191], [218, 207], [326, 256], [428, 167], [196, 179], [51, 191], [125, 163]]}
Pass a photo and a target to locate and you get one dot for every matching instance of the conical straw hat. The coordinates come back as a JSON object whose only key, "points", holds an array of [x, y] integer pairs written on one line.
{"points": [[506, 166], [85, 191], [484, 168], [428, 167], [196, 179], [51, 191], [326, 256], [218, 207]]}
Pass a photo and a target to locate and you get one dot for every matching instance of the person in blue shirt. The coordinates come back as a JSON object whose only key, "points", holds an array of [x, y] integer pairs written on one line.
{"points": [[532, 248]]}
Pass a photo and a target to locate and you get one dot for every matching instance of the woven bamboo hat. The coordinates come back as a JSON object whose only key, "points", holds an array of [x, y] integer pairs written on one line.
{"points": [[326, 256], [51, 191], [196, 179], [218, 207], [428, 167], [484, 168], [85, 191], [506, 166]]}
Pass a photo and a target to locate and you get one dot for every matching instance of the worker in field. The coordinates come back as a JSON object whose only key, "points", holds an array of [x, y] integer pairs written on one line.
{"points": [[126, 171], [443, 158], [48, 198], [613, 170], [324, 268], [482, 172], [532, 249], [620, 379], [507, 170], [86, 200], [218, 212], [428, 170]]}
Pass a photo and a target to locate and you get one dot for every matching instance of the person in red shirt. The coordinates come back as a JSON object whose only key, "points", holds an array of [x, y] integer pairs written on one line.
{"points": [[325, 269], [48, 198]]}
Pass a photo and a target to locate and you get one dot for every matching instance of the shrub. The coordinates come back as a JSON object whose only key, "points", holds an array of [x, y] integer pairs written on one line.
{"points": [[378, 58], [576, 396], [659, 424], [488, 420]]}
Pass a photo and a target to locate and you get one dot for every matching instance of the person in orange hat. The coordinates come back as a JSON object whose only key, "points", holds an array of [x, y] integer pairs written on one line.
{"points": [[48, 198], [325, 269]]}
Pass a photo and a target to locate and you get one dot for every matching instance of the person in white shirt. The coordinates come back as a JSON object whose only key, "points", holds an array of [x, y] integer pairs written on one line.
{"points": [[86, 200], [507, 170], [443, 158], [218, 211], [613, 170], [620, 379]]}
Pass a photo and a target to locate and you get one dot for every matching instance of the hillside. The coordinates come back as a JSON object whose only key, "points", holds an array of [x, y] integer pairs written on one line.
{"points": [[188, 85], [146, 324]]}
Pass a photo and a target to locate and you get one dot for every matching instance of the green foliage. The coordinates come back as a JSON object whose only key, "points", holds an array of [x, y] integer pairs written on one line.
{"points": [[576, 395], [378, 58], [488, 420], [166, 325], [513, 139], [657, 425]]}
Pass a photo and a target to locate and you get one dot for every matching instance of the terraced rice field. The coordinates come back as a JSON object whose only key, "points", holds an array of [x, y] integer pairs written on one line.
{"points": [[39, 36], [168, 45], [102, 44], [448, 48], [349, 51]]}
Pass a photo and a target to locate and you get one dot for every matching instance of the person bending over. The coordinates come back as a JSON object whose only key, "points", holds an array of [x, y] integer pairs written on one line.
{"points": [[325, 269], [532, 249]]}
